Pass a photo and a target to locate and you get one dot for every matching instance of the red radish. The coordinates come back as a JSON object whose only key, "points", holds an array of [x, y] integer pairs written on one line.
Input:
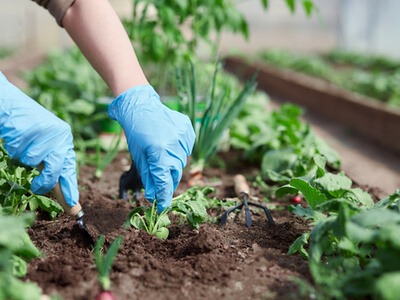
{"points": [[105, 295], [104, 263], [296, 199]]}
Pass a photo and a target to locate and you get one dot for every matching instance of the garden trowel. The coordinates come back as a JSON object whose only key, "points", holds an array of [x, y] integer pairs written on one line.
{"points": [[75, 211]]}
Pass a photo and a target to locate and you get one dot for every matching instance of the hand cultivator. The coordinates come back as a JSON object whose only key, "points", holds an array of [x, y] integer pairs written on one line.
{"points": [[242, 191], [130, 180]]}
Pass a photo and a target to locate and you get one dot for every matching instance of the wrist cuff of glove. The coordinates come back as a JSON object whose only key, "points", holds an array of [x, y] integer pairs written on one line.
{"points": [[3, 78], [134, 97]]}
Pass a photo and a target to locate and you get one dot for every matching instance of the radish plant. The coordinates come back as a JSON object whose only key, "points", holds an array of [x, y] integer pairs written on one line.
{"points": [[104, 263], [149, 220]]}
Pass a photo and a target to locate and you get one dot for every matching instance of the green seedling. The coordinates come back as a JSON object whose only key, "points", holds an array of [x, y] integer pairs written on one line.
{"points": [[104, 264], [149, 220]]}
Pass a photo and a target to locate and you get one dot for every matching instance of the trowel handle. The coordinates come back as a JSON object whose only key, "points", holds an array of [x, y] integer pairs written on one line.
{"points": [[240, 184], [75, 211]]}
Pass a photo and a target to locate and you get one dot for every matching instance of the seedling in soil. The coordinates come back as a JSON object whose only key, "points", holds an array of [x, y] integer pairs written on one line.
{"points": [[104, 264], [154, 223]]}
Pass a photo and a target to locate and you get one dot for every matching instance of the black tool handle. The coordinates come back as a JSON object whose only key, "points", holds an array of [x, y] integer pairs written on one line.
{"points": [[130, 180]]}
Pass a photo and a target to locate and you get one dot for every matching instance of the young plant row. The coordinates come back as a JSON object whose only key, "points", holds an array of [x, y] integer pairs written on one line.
{"points": [[353, 247], [374, 76], [283, 144], [192, 207], [353, 243]]}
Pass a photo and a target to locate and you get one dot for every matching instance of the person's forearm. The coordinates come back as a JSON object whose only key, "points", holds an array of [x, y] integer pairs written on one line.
{"points": [[98, 32]]}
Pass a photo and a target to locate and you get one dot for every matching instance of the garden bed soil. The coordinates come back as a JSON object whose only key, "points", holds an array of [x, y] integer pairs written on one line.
{"points": [[211, 262]]}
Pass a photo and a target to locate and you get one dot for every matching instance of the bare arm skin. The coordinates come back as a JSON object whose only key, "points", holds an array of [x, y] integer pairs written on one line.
{"points": [[100, 35]]}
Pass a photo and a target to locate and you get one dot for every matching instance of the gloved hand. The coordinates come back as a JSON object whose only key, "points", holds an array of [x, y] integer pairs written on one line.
{"points": [[33, 135], [159, 140]]}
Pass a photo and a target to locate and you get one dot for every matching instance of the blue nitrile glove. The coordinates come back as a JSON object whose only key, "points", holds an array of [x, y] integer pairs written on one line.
{"points": [[159, 139], [33, 135]]}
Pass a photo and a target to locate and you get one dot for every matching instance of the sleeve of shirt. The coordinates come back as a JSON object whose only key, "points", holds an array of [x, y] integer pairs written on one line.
{"points": [[57, 8]]}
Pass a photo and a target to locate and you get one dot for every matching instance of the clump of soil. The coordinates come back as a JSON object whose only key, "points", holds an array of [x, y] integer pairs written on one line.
{"points": [[230, 262]]}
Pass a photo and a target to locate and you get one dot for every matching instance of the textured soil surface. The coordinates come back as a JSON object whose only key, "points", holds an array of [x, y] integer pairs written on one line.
{"points": [[211, 262]]}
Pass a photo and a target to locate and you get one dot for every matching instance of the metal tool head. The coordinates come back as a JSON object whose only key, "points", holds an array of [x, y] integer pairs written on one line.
{"points": [[82, 225]]}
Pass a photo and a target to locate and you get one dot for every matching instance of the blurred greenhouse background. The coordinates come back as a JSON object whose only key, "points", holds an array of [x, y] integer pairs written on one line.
{"points": [[366, 26]]}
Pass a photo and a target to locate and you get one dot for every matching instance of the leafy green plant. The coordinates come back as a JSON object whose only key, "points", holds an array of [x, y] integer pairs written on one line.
{"points": [[104, 264], [158, 26], [67, 85], [280, 141], [15, 249], [211, 114], [194, 203], [149, 220], [165, 33], [353, 243], [15, 193]]}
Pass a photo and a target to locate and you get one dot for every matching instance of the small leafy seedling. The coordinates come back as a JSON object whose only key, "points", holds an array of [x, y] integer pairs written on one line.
{"points": [[104, 264], [148, 219]]}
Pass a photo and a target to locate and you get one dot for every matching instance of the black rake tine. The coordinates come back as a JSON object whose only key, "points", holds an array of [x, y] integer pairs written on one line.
{"points": [[223, 219], [247, 211], [266, 210]]}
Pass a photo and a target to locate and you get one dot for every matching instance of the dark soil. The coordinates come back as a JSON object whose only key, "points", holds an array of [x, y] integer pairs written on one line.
{"points": [[211, 262]]}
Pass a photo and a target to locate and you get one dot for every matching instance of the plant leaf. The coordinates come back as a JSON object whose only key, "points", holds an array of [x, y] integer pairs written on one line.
{"points": [[298, 245], [311, 194]]}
